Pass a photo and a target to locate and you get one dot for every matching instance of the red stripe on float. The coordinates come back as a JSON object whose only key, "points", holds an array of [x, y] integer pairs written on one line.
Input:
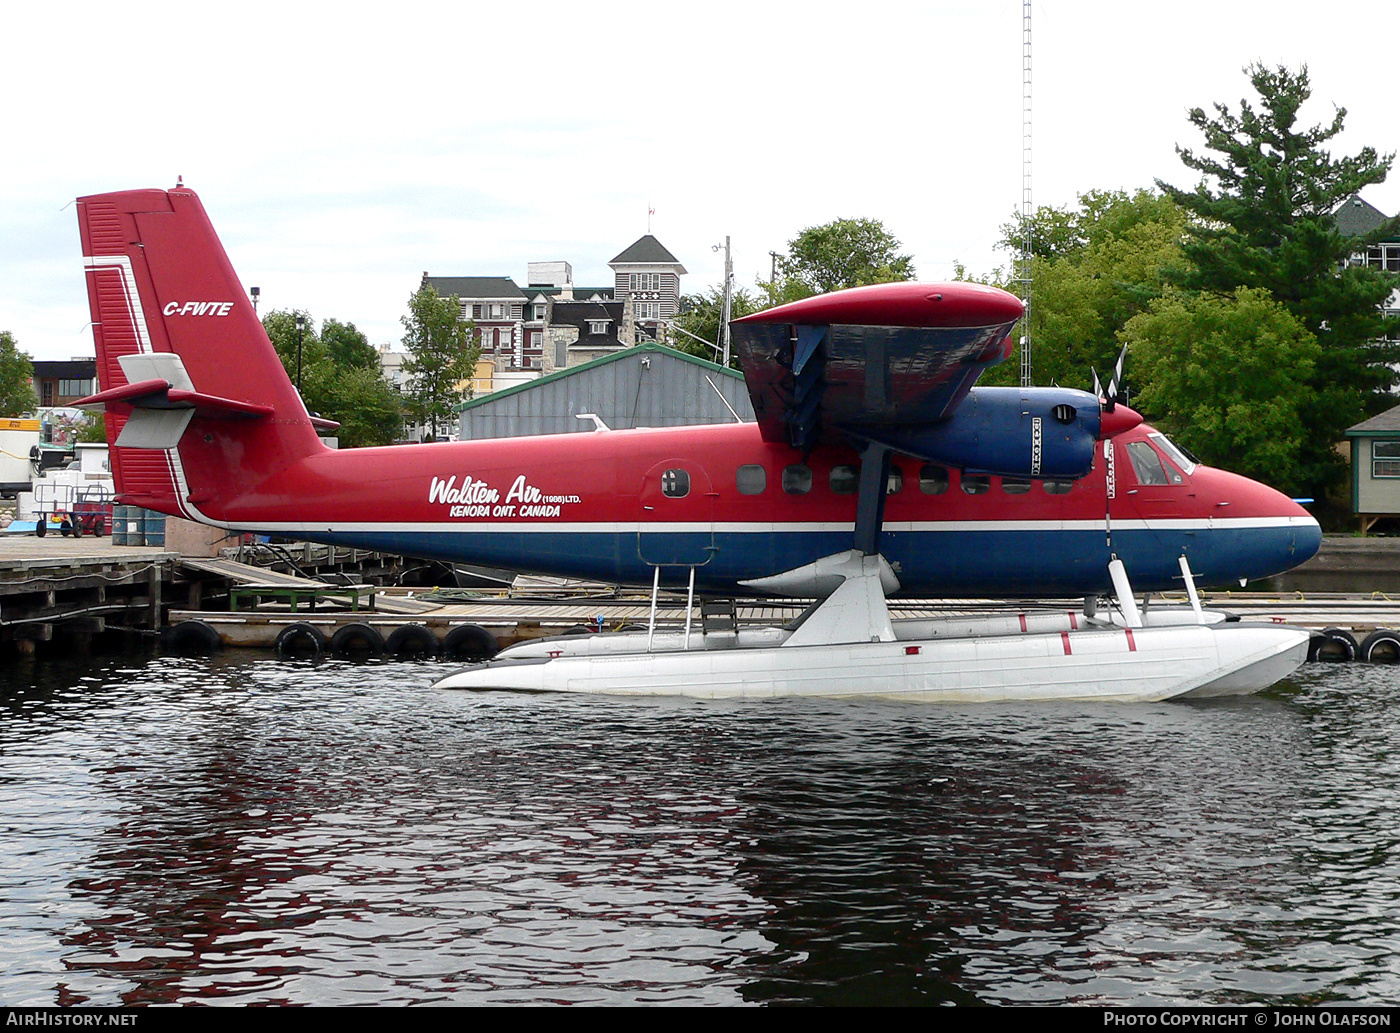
{"points": [[1132, 644], [1023, 622], [1073, 620], [1064, 637]]}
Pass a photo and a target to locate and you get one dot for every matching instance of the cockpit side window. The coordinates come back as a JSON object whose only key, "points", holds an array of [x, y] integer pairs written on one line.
{"points": [[1176, 454], [1148, 465]]}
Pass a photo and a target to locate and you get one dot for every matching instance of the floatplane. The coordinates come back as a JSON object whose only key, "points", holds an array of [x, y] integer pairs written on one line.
{"points": [[875, 468]]}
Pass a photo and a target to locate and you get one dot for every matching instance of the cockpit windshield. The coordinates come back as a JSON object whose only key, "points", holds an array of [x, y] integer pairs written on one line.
{"points": [[1176, 455]]}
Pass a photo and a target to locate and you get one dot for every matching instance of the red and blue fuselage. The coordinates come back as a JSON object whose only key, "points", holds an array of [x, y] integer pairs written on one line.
{"points": [[613, 505]]}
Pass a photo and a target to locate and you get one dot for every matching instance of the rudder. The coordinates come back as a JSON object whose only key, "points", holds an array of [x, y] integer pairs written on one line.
{"points": [[180, 349]]}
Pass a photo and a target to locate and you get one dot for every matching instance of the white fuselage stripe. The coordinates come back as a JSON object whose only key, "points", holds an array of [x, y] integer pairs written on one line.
{"points": [[633, 527]]}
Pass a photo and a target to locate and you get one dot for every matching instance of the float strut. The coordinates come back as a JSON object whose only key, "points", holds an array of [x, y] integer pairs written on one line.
{"points": [[1190, 580], [655, 587], [689, 605]]}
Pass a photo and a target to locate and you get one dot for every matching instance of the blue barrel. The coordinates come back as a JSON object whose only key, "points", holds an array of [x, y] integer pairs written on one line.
{"points": [[153, 525], [121, 531]]}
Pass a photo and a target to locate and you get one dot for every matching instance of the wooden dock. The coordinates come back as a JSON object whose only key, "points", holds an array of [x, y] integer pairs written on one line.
{"points": [[63, 590]]}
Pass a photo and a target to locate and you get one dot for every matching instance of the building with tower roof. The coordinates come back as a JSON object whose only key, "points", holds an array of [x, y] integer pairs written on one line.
{"points": [[649, 277]]}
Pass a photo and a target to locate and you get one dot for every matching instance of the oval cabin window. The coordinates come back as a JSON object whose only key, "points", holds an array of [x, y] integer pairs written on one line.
{"points": [[751, 480], [797, 479]]}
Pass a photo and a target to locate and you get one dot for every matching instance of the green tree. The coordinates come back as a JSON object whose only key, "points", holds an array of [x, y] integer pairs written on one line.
{"points": [[442, 352], [701, 315], [336, 380], [836, 255], [1227, 376], [16, 378], [365, 405], [1263, 218], [1096, 266], [348, 347], [281, 328]]}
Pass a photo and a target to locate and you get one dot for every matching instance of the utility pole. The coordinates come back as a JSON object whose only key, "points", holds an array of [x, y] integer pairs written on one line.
{"points": [[728, 304]]}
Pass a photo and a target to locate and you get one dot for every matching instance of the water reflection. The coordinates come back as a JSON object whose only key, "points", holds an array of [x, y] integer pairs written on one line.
{"points": [[251, 831]]}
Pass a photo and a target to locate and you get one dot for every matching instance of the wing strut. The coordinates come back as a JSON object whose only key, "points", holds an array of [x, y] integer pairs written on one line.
{"points": [[870, 502]]}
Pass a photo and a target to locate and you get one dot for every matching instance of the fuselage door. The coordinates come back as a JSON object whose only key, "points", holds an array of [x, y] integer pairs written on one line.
{"points": [[1155, 489], [676, 525]]}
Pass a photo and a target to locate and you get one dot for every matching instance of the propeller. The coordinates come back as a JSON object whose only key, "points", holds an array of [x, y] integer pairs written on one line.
{"points": [[1115, 383]]}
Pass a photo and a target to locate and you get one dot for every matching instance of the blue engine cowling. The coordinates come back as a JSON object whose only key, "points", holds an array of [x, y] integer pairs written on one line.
{"points": [[1044, 432]]}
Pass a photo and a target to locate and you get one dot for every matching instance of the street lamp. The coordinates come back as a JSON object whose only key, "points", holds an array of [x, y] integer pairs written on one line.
{"points": [[301, 328]]}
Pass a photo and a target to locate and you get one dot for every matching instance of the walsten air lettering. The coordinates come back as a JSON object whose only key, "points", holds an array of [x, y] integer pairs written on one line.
{"points": [[473, 498], [474, 493]]}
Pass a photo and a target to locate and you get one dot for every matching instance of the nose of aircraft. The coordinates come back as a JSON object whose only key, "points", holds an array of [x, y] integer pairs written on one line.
{"points": [[1270, 533]]}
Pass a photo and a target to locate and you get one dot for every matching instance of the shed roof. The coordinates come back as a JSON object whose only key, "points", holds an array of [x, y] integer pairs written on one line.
{"points": [[1387, 424], [602, 360]]}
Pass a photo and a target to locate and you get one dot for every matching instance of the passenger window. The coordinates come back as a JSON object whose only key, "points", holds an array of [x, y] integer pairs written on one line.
{"points": [[895, 482], [675, 484], [751, 480], [797, 479], [933, 480], [844, 480], [1148, 466], [1015, 485], [1057, 487], [976, 484]]}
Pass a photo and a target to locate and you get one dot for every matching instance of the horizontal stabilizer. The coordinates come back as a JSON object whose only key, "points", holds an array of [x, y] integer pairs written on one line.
{"points": [[158, 381], [160, 394]]}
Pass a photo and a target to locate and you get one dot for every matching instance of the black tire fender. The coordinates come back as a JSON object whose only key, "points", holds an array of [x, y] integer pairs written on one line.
{"points": [[192, 637], [356, 642], [470, 642], [1332, 645], [1382, 646], [411, 641], [300, 641]]}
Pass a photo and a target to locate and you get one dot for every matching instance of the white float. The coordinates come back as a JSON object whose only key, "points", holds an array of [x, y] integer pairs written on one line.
{"points": [[849, 647]]}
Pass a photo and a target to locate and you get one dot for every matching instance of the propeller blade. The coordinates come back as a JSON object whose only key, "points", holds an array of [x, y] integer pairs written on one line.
{"points": [[1116, 384]]}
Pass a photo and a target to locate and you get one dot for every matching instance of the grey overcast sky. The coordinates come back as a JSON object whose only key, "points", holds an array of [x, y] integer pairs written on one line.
{"points": [[344, 149]]}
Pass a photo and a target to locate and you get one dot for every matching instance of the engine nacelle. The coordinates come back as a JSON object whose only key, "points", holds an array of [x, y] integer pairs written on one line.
{"points": [[1046, 432]]}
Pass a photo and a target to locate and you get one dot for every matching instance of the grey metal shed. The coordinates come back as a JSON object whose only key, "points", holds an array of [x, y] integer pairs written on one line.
{"points": [[649, 385]]}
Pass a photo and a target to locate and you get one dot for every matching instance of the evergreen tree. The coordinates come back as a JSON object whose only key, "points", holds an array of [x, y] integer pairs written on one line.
{"points": [[442, 356], [1263, 219]]}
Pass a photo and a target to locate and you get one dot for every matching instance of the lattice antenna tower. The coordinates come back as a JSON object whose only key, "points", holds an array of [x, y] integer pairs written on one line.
{"points": [[1023, 263]]}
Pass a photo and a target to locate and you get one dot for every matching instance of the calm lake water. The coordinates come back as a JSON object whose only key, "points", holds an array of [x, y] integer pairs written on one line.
{"points": [[244, 830]]}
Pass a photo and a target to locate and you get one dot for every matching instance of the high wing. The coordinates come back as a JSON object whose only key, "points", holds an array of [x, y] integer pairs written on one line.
{"points": [[871, 358]]}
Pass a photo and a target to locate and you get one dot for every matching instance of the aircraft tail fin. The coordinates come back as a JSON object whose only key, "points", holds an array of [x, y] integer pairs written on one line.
{"points": [[199, 409]]}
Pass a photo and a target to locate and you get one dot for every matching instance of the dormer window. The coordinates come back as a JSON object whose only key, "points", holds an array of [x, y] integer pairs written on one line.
{"points": [[599, 326]]}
